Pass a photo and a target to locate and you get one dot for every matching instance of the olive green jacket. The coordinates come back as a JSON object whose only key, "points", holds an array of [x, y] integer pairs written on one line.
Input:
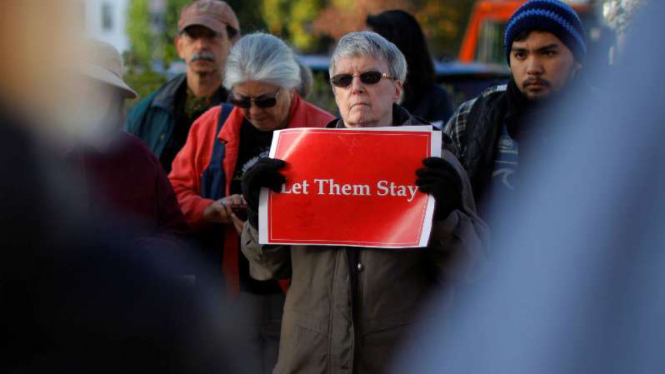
{"points": [[330, 327]]}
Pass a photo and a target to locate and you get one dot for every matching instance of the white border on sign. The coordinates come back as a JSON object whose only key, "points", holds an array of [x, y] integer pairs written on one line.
{"points": [[263, 197], [429, 215]]}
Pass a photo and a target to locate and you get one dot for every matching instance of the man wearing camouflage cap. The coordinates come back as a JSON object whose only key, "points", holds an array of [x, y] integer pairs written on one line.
{"points": [[207, 30]]}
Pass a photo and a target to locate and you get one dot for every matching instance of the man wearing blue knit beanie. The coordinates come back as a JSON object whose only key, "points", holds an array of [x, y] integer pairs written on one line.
{"points": [[545, 48]]}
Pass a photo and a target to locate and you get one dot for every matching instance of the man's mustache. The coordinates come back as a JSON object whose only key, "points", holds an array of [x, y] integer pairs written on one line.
{"points": [[202, 56], [531, 81]]}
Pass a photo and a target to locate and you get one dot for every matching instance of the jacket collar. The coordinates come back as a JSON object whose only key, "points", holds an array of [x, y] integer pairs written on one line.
{"points": [[167, 94]]}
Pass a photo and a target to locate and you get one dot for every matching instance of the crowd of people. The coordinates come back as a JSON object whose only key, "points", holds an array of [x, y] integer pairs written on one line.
{"points": [[171, 191]]}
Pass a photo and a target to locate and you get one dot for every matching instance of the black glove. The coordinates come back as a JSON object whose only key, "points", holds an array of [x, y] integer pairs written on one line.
{"points": [[263, 174], [440, 179]]}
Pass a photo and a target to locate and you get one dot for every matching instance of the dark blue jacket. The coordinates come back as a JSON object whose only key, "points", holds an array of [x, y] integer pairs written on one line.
{"points": [[153, 118]]}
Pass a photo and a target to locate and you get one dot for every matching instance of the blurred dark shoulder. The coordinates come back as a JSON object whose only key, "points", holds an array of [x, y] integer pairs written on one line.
{"points": [[79, 295]]}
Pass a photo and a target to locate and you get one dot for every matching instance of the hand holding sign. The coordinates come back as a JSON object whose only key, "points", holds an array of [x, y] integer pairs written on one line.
{"points": [[265, 173], [440, 179]]}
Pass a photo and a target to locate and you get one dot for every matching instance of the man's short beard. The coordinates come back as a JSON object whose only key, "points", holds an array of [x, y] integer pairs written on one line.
{"points": [[530, 81]]}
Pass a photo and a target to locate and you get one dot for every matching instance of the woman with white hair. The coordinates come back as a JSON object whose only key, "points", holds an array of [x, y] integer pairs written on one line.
{"points": [[348, 309], [262, 75]]}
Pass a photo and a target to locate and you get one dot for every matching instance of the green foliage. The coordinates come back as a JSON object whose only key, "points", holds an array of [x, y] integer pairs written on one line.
{"points": [[249, 14], [302, 15], [171, 18], [308, 25], [443, 23], [147, 45], [292, 20], [138, 30], [144, 82], [322, 95]]}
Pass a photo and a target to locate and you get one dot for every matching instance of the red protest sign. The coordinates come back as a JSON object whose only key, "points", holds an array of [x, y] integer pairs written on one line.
{"points": [[350, 187]]}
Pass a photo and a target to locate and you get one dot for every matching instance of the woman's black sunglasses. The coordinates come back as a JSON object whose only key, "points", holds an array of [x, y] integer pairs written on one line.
{"points": [[262, 102], [368, 77]]}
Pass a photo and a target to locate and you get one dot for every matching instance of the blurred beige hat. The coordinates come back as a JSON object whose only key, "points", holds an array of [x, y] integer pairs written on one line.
{"points": [[103, 62], [213, 14]]}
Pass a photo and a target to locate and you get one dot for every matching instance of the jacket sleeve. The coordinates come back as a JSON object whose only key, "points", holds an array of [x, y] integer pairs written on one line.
{"points": [[458, 244], [265, 261], [456, 127], [189, 165]]}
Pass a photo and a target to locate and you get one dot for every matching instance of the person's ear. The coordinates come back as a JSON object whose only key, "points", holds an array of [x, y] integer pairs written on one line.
{"points": [[177, 41], [398, 91], [332, 86]]}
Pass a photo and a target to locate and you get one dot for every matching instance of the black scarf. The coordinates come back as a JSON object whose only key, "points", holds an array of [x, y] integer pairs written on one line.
{"points": [[525, 117]]}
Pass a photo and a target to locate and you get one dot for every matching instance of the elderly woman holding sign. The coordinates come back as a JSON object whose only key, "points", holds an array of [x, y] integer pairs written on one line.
{"points": [[348, 309]]}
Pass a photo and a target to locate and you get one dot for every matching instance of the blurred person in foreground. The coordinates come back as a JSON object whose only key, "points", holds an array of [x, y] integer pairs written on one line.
{"points": [[77, 295], [121, 173], [207, 31], [579, 287], [421, 95], [263, 76], [545, 47], [349, 309]]}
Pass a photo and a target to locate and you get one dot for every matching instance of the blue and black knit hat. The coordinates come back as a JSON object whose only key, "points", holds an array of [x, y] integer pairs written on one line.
{"points": [[552, 16]]}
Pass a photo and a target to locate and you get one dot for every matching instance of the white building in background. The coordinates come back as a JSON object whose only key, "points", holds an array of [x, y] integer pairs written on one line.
{"points": [[106, 20]]}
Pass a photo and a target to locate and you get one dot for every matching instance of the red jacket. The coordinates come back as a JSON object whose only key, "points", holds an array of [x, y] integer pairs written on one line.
{"points": [[194, 158]]}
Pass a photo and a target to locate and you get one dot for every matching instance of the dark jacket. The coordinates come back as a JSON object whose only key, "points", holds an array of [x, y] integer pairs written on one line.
{"points": [[348, 310], [475, 129], [153, 119], [477, 126], [433, 105]]}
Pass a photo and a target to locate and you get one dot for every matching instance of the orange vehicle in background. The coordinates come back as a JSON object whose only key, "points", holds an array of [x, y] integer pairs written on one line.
{"points": [[483, 39]]}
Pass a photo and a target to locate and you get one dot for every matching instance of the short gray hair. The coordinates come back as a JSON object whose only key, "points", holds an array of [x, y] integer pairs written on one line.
{"points": [[371, 44], [264, 58]]}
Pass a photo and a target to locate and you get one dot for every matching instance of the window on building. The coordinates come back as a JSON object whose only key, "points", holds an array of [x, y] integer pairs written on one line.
{"points": [[107, 17]]}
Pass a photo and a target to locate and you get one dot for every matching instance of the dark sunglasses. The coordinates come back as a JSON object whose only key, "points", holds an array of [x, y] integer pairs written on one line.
{"points": [[262, 102], [368, 77]]}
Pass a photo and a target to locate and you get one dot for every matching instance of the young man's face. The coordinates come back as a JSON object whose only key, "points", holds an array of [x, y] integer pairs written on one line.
{"points": [[541, 65]]}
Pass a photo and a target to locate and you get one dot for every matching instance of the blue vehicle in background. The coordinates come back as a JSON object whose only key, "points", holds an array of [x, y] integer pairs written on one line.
{"points": [[466, 80]]}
